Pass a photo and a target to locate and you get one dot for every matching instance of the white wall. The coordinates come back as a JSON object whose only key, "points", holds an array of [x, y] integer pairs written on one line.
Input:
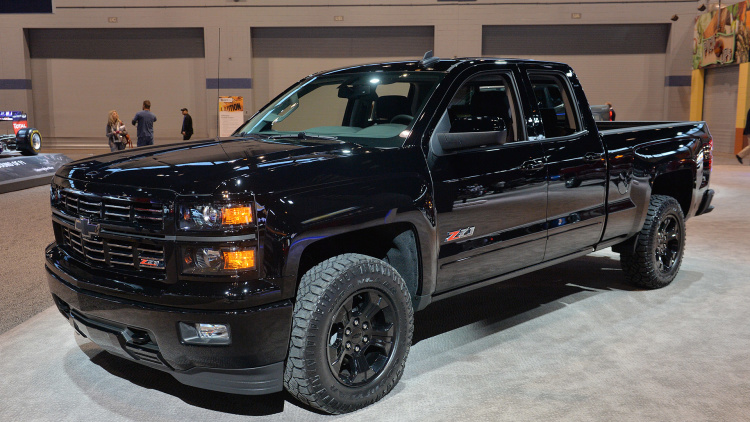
{"points": [[227, 26]]}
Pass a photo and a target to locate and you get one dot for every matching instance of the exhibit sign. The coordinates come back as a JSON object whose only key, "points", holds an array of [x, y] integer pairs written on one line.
{"points": [[18, 173], [722, 37], [231, 115]]}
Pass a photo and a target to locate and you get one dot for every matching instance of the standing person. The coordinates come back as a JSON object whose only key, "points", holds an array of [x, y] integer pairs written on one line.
{"points": [[746, 133], [115, 132], [187, 125], [611, 112], [145, 121]]}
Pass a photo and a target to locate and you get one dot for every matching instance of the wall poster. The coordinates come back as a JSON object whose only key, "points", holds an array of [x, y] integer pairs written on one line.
{"points": [[231, 115], [722, 37]]}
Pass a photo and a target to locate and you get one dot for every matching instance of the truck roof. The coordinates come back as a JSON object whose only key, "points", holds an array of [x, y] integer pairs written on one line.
{"points": [[441, 65]]}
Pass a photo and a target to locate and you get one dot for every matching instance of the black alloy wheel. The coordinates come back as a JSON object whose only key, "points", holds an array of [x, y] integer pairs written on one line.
{"points": [[655, 255], [362, 337], [352, 328], [668, 244]]}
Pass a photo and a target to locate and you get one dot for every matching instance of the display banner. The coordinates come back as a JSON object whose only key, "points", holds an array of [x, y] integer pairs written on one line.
{"points": [[722, 37], [19, 122], [231, 115]]}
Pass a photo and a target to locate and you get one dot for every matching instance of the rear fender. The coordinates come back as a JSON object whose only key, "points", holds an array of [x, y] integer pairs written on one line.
{"points": [[672, 169]]}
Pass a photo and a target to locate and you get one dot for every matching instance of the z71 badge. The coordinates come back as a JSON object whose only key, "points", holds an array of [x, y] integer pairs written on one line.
{"points": [[460, 234]]}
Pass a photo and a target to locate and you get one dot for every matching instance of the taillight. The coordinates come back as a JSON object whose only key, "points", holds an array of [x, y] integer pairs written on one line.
{"points": [[708, 156]]}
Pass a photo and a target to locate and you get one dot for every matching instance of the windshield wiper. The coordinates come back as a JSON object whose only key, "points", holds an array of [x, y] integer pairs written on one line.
{"points": [[304, 136]]}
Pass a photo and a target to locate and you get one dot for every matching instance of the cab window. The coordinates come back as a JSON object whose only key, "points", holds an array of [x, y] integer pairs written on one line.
{"points": [[486, 103], [555, 102]]}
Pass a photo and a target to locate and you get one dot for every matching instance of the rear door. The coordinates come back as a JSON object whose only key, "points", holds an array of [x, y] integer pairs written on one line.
{"points": [[575, 161], [491, 198]]}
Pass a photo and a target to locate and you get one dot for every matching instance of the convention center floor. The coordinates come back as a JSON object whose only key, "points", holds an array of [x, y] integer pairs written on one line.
{"points": [[569, 343]]}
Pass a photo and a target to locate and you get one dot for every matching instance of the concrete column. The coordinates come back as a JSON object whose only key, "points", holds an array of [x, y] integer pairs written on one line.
{"points": [[446, 40], [228, 69], [457, 34], [15, 71], [677, 70]]}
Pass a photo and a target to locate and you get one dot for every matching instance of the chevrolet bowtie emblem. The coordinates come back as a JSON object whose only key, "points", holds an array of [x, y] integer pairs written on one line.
{"points": [[87, 230]]}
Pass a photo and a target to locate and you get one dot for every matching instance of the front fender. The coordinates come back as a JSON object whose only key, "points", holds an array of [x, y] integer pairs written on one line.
{"points": [[295, 221]]}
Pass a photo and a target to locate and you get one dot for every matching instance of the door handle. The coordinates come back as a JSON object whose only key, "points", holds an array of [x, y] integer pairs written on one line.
{"points": [[533, 165], [590, 157]]}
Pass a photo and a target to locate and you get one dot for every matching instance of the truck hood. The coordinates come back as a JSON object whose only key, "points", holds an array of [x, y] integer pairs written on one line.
{"points": [[208, 167]]}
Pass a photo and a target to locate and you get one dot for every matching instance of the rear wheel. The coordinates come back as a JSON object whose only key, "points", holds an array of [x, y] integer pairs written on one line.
{"points": [[655, 259], [352, 329]]}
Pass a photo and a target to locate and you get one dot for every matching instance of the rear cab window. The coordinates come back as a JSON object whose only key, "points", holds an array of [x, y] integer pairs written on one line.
{"points": [[556, 104]]}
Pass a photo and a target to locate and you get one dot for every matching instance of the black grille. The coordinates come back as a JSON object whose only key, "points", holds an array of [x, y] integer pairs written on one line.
{"points": [[109, 209], [115, 254]]}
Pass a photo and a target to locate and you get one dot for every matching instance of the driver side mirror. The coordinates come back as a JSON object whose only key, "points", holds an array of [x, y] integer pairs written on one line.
{"points": [[472, 132]]}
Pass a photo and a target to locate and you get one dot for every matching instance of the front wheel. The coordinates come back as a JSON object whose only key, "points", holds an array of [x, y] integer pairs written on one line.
{"points": [[29, 141], [657, 254], [352, 329]]}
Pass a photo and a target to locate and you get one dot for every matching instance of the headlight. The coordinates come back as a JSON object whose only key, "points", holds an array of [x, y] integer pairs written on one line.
{"points": [[217, 260], [214, 216]]}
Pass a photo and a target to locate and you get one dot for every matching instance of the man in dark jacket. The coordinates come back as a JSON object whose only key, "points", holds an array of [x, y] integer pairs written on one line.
{"points": [[187, 125], [145, 122]]}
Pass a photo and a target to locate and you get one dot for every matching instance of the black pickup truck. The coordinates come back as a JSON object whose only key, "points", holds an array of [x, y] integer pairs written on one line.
{"points": [[294, 253]]}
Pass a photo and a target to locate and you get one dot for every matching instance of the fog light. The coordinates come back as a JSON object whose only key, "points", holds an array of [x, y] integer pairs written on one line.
{"points": [[206, 334]]}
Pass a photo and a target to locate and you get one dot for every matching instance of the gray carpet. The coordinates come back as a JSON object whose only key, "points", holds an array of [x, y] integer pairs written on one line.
{"points": [[573, 343], [25, 230]]}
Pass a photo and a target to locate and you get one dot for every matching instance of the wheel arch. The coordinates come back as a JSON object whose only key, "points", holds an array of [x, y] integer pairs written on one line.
{"points": [[677, 184], [396, 243]]}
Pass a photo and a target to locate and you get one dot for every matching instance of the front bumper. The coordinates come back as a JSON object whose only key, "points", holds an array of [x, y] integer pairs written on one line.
{"points": [[149, 334]]}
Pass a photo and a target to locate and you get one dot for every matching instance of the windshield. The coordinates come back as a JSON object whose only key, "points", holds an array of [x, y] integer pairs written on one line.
{"points": [[373, 109]]}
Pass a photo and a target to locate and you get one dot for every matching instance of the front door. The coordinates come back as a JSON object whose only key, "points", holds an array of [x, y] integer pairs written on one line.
{"points": [[491, 197]]}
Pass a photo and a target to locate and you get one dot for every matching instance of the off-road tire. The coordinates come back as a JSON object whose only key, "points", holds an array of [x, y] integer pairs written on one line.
{"points": [[656, 257], [331, 296]]}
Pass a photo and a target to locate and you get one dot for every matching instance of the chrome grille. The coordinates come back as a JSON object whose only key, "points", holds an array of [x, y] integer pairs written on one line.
{"points": [[109, 209], [115, 253]]}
